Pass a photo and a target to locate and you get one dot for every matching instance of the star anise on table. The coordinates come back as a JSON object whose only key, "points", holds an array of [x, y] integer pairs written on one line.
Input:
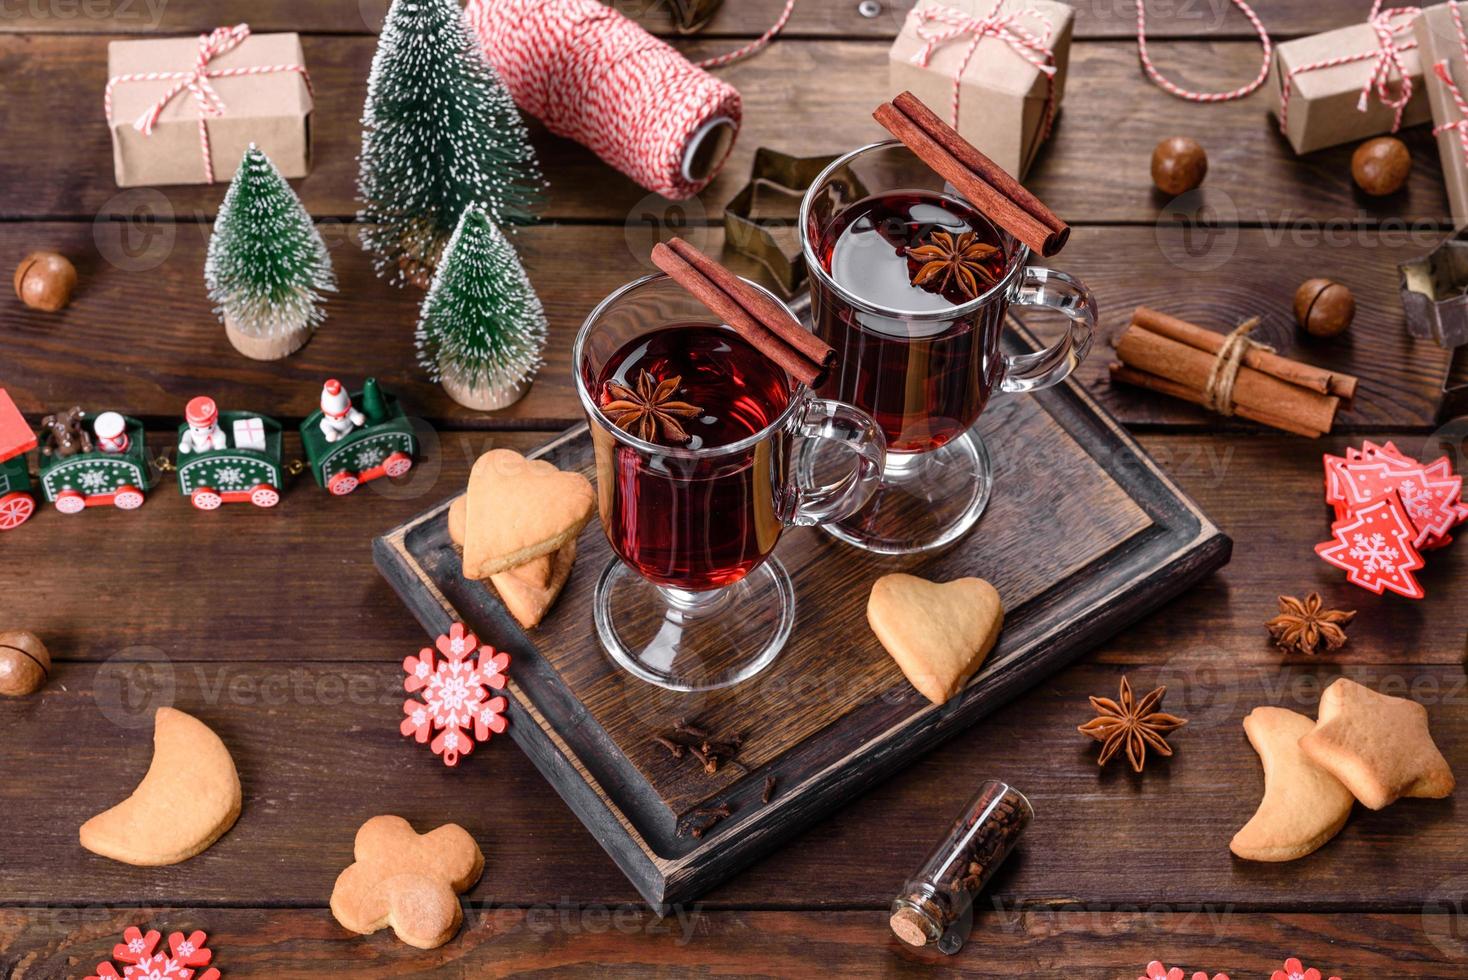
{"points": [[1135, 724], [649, 412], [948, 261], [1302, 625]]}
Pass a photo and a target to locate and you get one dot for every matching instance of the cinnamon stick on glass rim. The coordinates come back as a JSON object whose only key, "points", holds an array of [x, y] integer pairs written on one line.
{"points": [[986, 184], [755, 316]]}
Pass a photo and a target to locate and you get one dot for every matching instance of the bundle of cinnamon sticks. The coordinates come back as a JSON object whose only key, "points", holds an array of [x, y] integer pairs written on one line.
{"points": [[1166, 354]]}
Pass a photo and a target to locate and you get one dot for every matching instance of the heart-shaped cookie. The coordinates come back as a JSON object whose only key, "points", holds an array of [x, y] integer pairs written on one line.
{"points": [[520, 509], [536, 573], [938, 632]]}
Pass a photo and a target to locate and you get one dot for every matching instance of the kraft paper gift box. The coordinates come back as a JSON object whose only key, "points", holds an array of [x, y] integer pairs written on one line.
{"points": [[1321, 106], [1437, 40], [271, 109], [1004, 96]]}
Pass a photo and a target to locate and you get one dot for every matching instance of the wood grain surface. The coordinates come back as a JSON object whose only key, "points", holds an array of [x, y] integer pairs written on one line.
{"points": [[275, 628], [1093, 170], [626, 942], [95, 350]]}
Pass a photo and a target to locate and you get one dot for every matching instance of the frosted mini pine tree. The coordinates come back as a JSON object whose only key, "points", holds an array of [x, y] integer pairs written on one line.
{"points": [[267, 265], [482, 328], [439, 132]]}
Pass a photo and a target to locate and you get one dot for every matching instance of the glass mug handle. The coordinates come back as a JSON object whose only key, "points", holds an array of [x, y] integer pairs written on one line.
{"points": [[1051, 290], [838, 422]]}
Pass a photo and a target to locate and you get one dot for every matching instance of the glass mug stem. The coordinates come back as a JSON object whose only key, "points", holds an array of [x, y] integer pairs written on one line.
{"points": [[1050, 290]]}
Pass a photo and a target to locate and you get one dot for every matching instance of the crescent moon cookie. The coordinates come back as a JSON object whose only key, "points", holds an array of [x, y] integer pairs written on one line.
{"points": [[188, 799], [1303, 806], [939, 633], [407, 880], [1378, 745]]}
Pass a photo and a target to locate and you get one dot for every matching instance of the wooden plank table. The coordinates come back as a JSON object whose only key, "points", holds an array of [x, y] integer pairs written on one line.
{"points": [[274, 628]]}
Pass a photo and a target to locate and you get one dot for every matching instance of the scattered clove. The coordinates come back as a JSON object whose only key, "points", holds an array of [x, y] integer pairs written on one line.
{"points": [[688, 736], [689, 727], [709, 760], [769, 790], [699, 829], [721, 810], [674, 749]]}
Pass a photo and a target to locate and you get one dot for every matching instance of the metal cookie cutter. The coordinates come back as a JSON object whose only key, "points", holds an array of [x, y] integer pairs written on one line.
{"points": [[762, 220], [1434, 291], [692, 15]]}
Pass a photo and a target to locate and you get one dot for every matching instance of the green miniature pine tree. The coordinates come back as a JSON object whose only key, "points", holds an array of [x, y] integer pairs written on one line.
{"points": [[267, 265], [440, 132], [482, 327]]}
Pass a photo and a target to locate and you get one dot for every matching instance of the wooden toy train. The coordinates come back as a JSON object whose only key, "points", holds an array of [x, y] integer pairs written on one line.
{"points": [[223, 457]]}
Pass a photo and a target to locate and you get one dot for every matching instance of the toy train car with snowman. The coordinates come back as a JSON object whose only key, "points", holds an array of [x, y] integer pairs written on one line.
{"points": [[223, 457]]}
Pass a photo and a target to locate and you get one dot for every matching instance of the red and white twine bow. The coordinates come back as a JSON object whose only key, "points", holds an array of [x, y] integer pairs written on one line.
{"points": [[1392, 27], [938, 26], [1444, 71], [1174, 89], [196, 81]]}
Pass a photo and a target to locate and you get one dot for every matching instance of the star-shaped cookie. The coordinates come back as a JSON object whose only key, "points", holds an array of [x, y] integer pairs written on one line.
{"points": [[1378, 745]]}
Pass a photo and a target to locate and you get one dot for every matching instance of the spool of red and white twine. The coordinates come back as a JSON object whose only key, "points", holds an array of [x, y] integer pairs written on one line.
{"points": [[590, 74]]}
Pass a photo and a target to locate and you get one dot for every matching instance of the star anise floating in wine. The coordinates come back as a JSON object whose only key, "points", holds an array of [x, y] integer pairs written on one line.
{"points": [[1302, 625], [650, 412], [1134, 724], [953, 262]]}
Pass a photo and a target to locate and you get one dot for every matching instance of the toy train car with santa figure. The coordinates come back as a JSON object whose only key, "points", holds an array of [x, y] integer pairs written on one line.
{"points": [[228, 457], [223, 457], [106, 467]]}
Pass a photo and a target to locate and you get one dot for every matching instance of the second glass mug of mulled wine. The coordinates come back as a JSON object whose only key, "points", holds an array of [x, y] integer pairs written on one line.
{"points": [[695, 431], [911, 285]]}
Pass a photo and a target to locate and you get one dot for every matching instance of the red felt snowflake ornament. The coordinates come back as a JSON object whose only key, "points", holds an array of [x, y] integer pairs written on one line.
{"points": [[1156, 971], [1295, 970], [140, 961], [455, 694]]}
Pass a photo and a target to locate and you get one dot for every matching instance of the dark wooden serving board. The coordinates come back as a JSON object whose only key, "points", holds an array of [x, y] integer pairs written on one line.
{"points": [[1084, 535]]}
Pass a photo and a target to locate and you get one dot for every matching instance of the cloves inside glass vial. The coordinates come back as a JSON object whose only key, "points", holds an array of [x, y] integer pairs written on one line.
{"points": [[935, 907]]}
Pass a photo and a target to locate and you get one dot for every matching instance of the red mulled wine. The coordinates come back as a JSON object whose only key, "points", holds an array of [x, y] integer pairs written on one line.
{"points": [[697, 516], [909, 256]]}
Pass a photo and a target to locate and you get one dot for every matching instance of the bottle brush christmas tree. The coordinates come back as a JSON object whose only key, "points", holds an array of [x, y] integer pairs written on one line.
{"points": [[482, 328], [440, 132], [267, 266]]}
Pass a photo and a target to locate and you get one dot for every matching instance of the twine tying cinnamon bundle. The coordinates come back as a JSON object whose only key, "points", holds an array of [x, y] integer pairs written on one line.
{"points": [[1230, 374]]}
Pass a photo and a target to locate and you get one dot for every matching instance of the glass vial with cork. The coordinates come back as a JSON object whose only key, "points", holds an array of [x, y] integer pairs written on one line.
{"points": [[935, 907]]}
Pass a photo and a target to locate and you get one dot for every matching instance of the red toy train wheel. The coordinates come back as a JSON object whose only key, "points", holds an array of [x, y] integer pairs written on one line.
{"points": [[127, 498], [397, 464], [341, 484], [15, 509], [70, 502], [264, 496], [206, 499]]}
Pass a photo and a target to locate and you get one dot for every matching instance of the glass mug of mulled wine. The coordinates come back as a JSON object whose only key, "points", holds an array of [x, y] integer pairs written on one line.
{"points": [[695, 432], [911, 285]]}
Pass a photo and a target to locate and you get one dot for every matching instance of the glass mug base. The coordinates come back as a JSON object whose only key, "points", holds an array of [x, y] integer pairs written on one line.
{"points": [[926, 501], [694, 641]]}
